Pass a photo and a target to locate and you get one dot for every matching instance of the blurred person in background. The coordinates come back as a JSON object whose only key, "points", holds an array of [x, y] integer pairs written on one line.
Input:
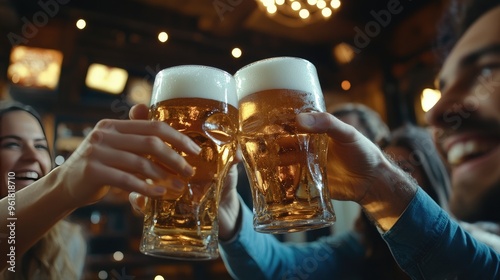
{"points": [[365, 120]]}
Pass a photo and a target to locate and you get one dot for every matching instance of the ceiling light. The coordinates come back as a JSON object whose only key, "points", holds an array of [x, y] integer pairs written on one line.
{"points": [[429, 98], [298, 13], [236, 52], [162, 37], [321, 4], [81, 23], [326, 12], [343, 53], [304, 13], [118, 256], [346, 85]]}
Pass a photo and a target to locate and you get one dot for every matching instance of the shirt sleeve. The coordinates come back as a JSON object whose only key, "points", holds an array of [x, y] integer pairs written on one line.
{"points": [[253, 255], [428, 244]]}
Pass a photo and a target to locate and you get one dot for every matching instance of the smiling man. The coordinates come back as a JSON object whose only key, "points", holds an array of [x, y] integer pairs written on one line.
{"points": [[466, 123], [425, 241], [467, 118]]}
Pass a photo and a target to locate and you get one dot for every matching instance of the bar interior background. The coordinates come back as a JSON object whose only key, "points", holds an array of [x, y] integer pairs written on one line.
{"points": [[79, 61]]}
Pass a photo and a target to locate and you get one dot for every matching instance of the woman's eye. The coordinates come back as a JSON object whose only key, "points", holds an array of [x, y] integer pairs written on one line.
{"points": [[43, 147], [10, 145]]}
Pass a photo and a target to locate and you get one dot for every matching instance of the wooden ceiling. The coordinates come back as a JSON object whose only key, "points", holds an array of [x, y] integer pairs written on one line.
{"points": [[123, 33]]}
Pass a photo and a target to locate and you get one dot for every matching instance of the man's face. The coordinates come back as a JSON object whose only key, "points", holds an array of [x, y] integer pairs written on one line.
{"points": [[467, 120]]}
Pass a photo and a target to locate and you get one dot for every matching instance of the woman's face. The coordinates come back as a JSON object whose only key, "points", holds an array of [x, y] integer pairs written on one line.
{"points": [[24, 151]]}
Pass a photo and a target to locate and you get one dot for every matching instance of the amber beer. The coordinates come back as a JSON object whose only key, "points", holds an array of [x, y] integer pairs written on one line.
{"points": [[286, 168], [200, 102]]}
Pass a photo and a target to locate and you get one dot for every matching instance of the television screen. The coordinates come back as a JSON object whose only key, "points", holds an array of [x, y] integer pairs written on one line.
{"points": [[35, 67], [105, 78]]}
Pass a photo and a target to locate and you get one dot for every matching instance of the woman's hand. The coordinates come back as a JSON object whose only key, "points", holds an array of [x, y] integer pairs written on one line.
{"points": [[119, 153]]}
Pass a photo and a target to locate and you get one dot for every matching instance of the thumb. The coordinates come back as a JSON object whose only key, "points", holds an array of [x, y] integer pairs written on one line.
{"points": [[138, 202], [139, 112], [327, 123]]}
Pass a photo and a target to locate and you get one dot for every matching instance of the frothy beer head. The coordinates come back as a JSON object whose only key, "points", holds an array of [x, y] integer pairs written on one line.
{"points": [[278, 73], [194, 81]]}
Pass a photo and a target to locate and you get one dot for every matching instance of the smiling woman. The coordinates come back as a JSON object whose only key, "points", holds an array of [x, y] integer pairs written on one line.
{"points": [[22, 137], [25, 158], [42, 244]]}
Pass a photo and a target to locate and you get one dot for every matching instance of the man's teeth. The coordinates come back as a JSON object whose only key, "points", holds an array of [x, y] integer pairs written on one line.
{"points": [[27, 175], [460, 151]]}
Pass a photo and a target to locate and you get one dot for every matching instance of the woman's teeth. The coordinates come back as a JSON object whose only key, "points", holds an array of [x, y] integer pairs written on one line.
{"points": [[27, 175]]}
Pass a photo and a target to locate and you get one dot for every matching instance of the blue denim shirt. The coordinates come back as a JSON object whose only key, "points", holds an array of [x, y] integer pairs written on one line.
{"points": [[253, 255], [425, 241], [428, 244]]}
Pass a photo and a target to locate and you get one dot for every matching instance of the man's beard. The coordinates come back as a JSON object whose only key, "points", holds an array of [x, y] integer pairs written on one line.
{"points": [[486, 209]]}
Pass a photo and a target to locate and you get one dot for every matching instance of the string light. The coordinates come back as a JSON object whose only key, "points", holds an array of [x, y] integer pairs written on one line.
{"points": [[297, 13], [236, 52]]}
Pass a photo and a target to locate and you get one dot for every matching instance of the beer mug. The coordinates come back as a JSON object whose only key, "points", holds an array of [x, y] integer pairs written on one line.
{"points": [[200, 102], [286, 168]]}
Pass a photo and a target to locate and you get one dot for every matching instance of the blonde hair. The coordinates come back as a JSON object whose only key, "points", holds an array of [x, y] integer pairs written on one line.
{"points": [[59, 254]]}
